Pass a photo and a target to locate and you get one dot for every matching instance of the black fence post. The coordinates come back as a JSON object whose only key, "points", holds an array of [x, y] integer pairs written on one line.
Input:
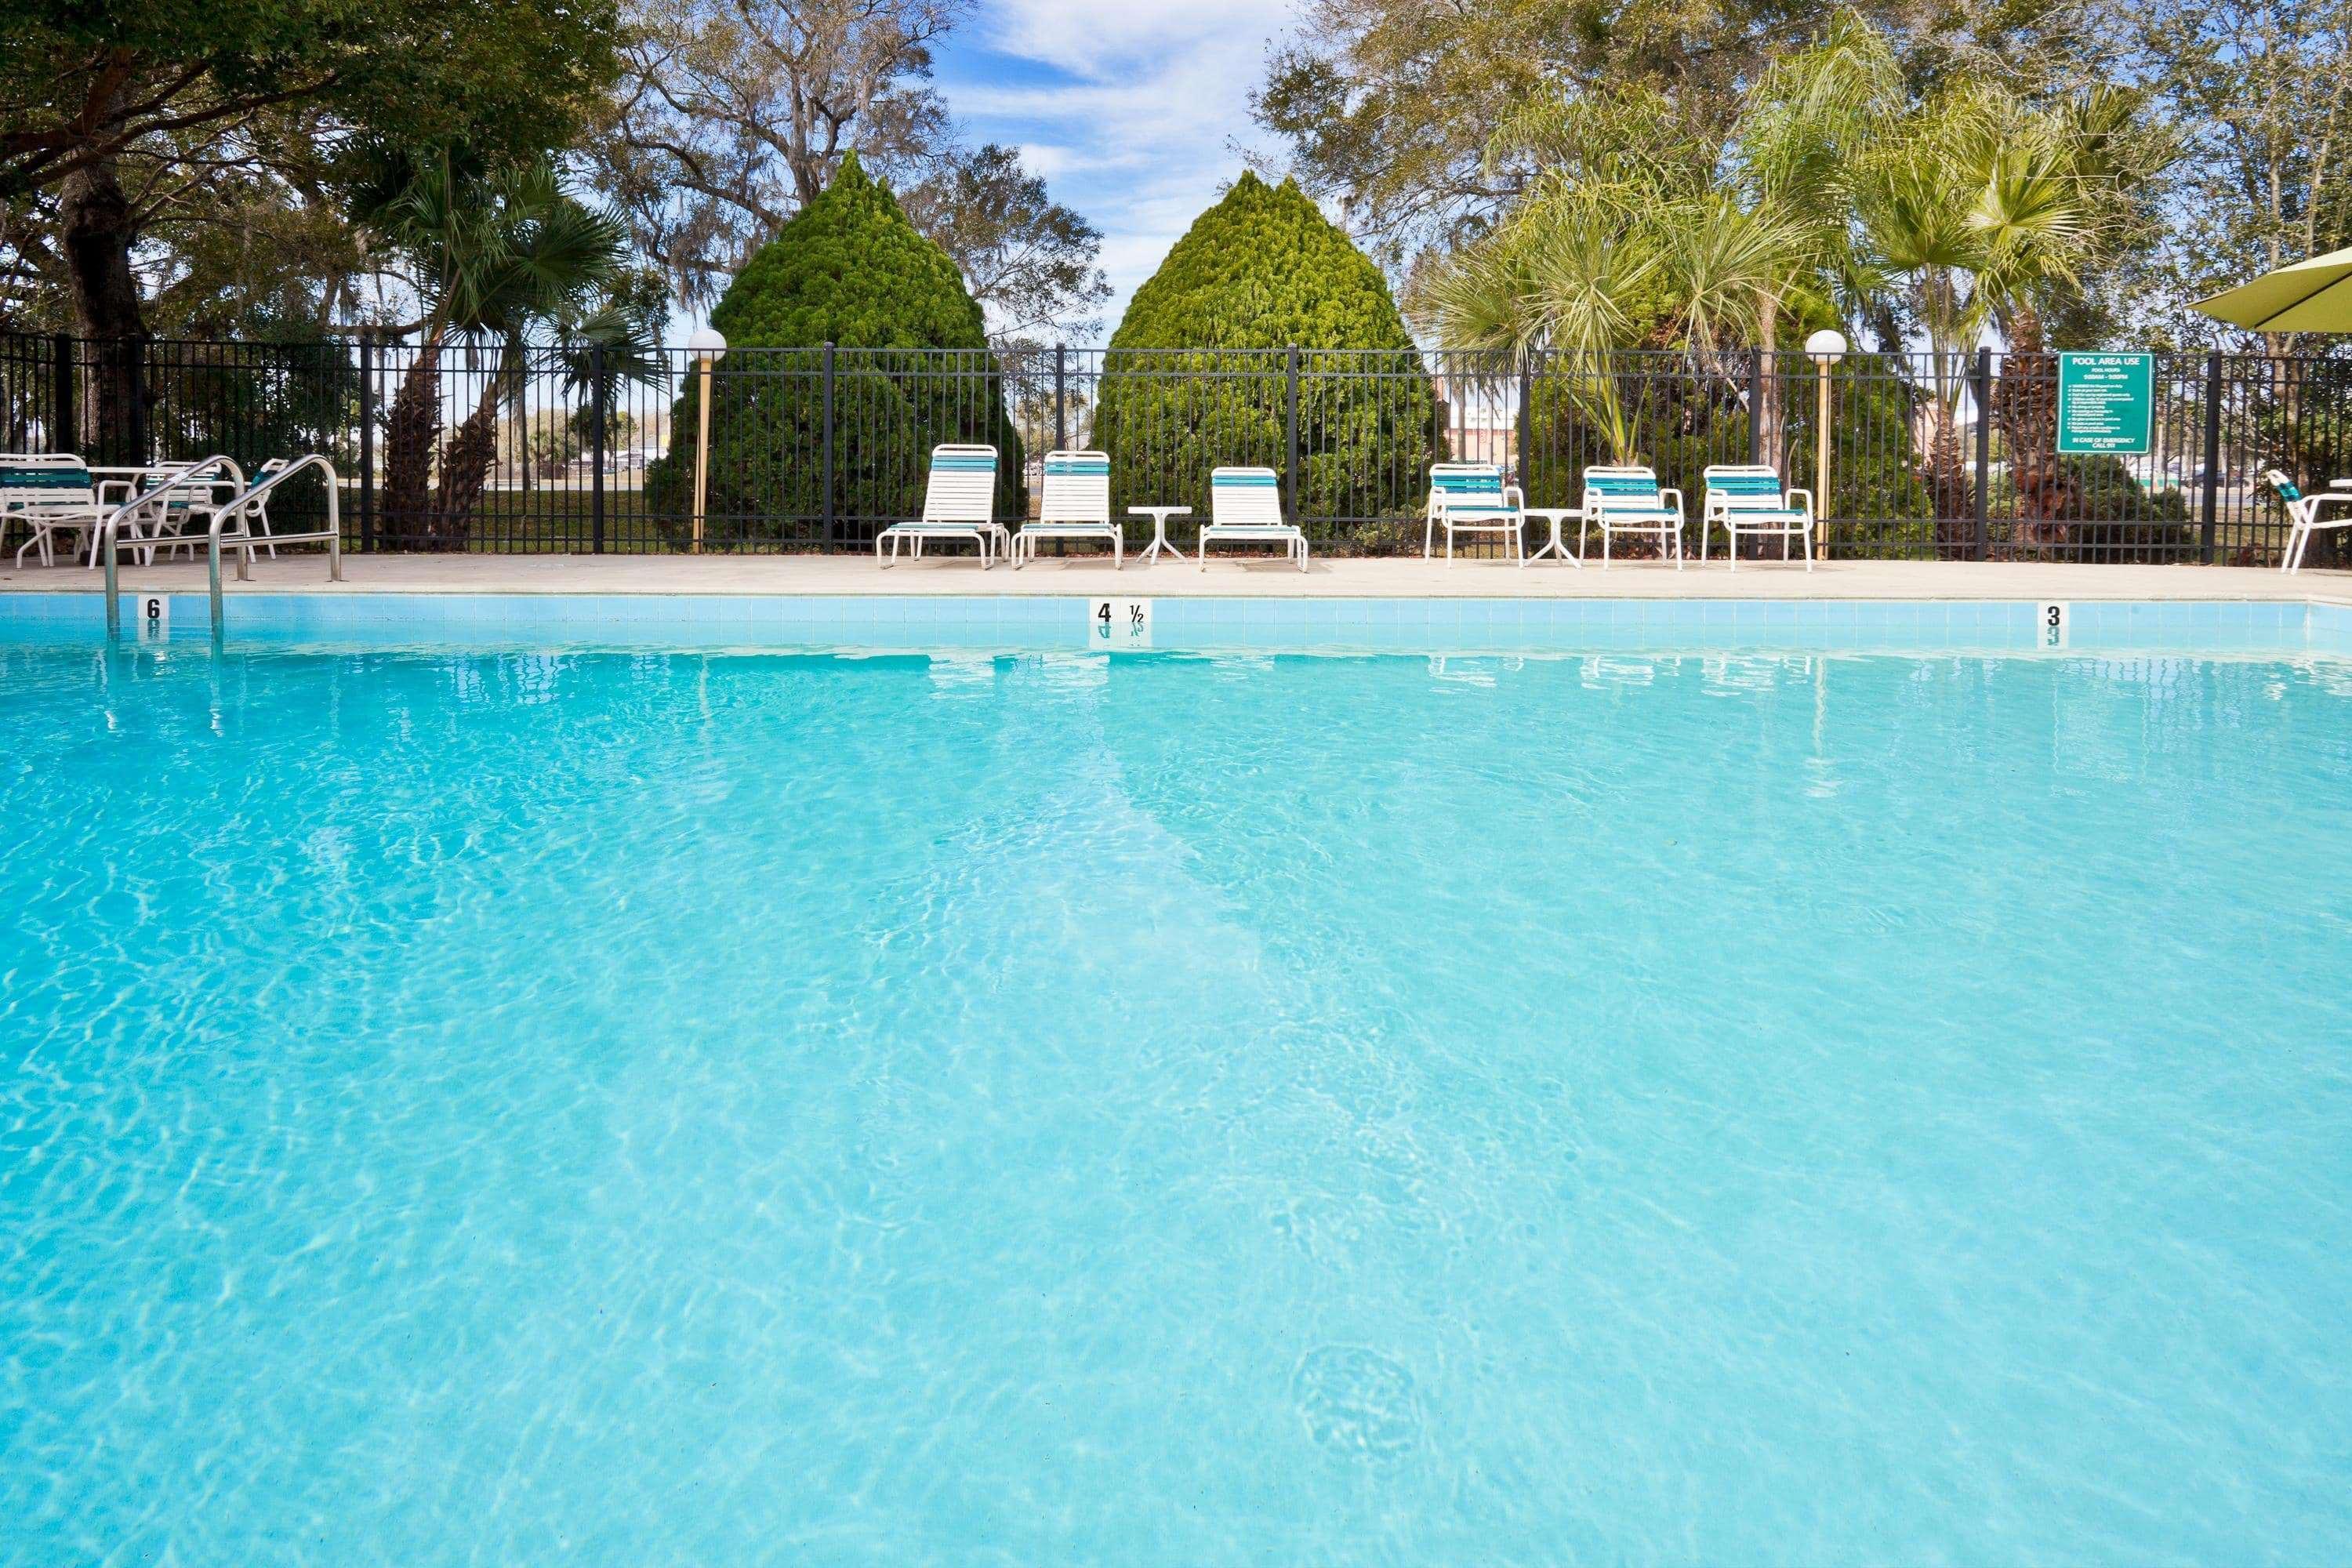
{"points": [[2210, 504], [826, 468], [1982, 391], [1755, 405], [1523, 421], [367, 438], [65, 438], [597, 414], [1290, 434], [134, 353], [1061, 420]]}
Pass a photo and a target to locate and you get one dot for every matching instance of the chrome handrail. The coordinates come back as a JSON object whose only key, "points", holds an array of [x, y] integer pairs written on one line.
{"points": [[331, 536], [108, 538]]}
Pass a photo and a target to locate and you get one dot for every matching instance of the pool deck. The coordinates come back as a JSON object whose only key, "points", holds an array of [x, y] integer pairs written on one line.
{"points": [[854, 576]]}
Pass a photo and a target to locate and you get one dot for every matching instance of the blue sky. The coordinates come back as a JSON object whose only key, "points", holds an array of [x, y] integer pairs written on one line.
{"points": [[1132, 109]]}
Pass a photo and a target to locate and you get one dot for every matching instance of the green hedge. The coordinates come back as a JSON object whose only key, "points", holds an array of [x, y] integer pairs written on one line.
{"points": [[1260, 271], [848, 268]]}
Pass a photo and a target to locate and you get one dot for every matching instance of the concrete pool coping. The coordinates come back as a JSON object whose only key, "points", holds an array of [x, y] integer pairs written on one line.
{"points": [[855, 576]]}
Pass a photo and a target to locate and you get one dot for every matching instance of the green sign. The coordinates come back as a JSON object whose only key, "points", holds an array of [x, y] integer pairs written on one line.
{"points": [[2106, 402]]}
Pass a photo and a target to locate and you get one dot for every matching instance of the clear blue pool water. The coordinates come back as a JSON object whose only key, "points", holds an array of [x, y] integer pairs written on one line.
{"points": [[648, 1108]]}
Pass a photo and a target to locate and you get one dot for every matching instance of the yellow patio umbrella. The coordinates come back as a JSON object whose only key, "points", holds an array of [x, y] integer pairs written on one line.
{"points": [[2314, 296]]}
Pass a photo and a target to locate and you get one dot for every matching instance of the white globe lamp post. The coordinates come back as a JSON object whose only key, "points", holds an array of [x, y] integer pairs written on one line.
{"points": [[706, 345], [1825, 348]]}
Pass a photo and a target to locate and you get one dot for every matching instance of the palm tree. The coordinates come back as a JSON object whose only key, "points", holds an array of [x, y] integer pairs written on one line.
{"points": [[1917, 201], [499, 258], [1798, 147], [1570, 274], [1988, 211], [2061, 199], [1585, 270]]}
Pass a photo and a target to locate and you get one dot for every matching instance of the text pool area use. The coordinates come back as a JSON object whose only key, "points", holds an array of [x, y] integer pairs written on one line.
{"points": [[1035, 1079]]}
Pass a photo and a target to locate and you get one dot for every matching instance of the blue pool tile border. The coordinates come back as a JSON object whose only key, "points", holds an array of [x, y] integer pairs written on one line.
{"points": [[1048, 623]]}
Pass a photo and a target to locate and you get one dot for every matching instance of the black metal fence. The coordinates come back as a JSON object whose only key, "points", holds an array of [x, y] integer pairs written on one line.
{"points": [[563, 449]]}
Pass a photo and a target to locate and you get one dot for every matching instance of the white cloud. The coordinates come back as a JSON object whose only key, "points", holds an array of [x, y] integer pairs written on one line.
{"points": [[1047, 159], [1141, 129], [1101, 42]]}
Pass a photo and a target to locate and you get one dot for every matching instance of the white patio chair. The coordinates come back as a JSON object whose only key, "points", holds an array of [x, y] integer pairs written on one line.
{"points": [[2303, 515], [1245, 508], [50, 493], [1076, 505], [176, 521], [1471, 498], [959, 502], [1627, 499], [1749, 498], [254, 521]]}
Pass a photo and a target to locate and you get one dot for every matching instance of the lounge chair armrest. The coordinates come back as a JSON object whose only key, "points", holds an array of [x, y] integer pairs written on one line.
{"points": [[1794, 491], [1514, 496], [1665, 490]]}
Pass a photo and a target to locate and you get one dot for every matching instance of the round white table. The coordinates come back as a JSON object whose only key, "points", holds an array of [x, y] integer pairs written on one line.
{"points": [[1556, 515], [1160, 516]]}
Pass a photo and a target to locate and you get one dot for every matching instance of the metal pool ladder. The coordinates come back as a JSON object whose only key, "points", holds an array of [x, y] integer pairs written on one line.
{"points": [[331, 536]]}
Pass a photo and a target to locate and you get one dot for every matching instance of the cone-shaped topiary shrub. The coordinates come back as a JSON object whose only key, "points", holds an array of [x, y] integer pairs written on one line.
{"points": [[1261, 270], [849, 269]]}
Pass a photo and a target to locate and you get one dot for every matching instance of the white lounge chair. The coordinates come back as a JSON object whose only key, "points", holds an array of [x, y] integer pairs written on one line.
{"points": [[1748, 498], [1076, 505], [1471, 498], [959, 502], [1627, 499], [2303, 515], [50, 493], [1245, 508]]}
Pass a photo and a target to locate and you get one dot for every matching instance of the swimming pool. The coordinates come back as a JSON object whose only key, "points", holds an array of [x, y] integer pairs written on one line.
{"points": [[638, 1106]]}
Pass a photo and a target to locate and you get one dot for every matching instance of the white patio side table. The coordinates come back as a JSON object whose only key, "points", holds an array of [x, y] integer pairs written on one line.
{"points": [[1556, 515], [1160, 516]]}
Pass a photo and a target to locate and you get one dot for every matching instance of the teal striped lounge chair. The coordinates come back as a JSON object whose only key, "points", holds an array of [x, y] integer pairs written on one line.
{"points": [[1245, 508], [50, 493], [1471, 498], [1749, 498], [959, 502], [1627, 499], [1076, 505], [2303, 514]]}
